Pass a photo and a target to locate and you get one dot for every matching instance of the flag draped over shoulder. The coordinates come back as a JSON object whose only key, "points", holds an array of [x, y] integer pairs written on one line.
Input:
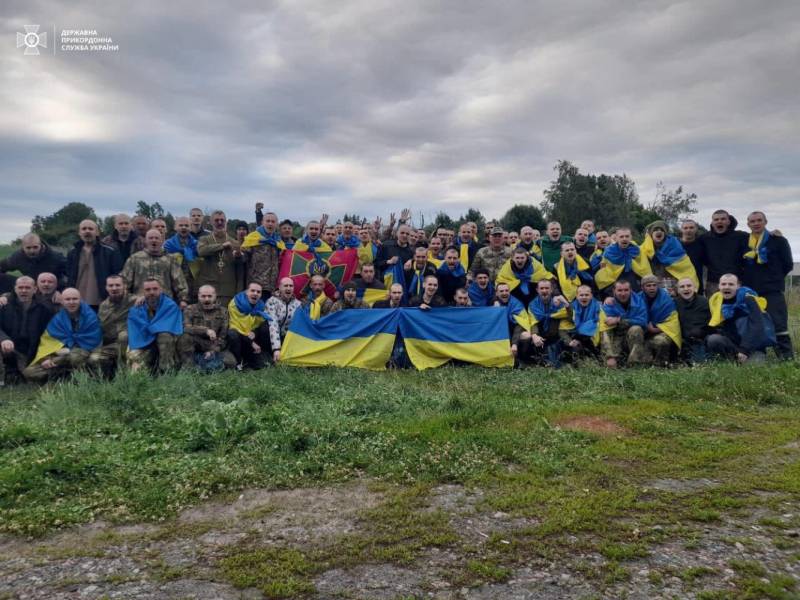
{"points": [[474, 335], [618, 260], [571, 277], [588, 319], [260, 237], [757, 245], [142, 330], [188, 252], [721, 312], [347, 338], [394, 274], [480, 297], [300, 265], [60, 334], [635, 314], [673, 256], [663, 314], [245, 317], [539, 313], [534, 272]]}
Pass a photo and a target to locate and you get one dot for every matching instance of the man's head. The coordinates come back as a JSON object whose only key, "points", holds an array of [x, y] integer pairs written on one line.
{"points": [[435, 245], [588, 226], [24, 288], [503, 292], [153, 241], [338, 229], [650, 286], [624, 237], [568, 252], [141, 224], [368, 272], [728, 285], [403, 233], [196, 217], [757, 222], [544, 289], [87, 231], [349, 292], [122, 223], [253, 292], [329, 236], [365, 235], [689, 230], [31, 245], [513, 239], [520, 257], [537, 235], [451, 257], [554, 230], [720, 221], [160, 225], [658, 231], [313, 230], [461, 297], [207, 296], [242, 229], [286, 228], [219, 221], [348, 228], [396, 293], [422, 237], [581, 236], [115, 286], [686, 288], [152, 291], [430, 285], [465, 234], [46, 283], [482, 278], [584, 295], [526, 234], [602, 239], [286, 288], [183, 226], [71, 300], [420, 257], [496, 238], [270, 222], [317, 285], [622, 291]]}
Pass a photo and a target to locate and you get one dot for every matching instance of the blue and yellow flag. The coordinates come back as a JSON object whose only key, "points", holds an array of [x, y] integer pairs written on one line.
{"points": [[617, 261], [371, 295], [663, 314], [672, 255], [347, 338], [757, 252], [474, 335], [533, 273], [721, 312]]}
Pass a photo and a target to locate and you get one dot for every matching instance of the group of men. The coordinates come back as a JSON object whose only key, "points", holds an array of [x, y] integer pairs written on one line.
{"points": [[211, 298]]}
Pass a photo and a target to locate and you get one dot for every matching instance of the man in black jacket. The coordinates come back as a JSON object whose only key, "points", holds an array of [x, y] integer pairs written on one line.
{"points": [[694, 248], [22, 323], [123, 239], [694, 315], [393, 251], [89, 263], [766, 266], [36, 257], [722, 249]]}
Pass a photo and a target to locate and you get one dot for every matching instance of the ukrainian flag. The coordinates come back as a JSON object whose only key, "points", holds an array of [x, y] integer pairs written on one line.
{"points": [[371, 295], [476, 335], [347, 338]]}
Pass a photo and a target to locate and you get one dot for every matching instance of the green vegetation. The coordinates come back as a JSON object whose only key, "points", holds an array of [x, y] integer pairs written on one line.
{"points": [[591, 459]]}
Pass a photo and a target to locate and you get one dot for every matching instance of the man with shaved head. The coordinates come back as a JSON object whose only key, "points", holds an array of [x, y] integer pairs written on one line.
{"points": [[263, 250], [154, 263], [183, 248], [160, 225], [397, 250], [89, 263], [205, 332], [69, 339], [35, 257], [281, 308], [196, 229], [141, 224], [124, 239], [22, 323], [46, 293]]}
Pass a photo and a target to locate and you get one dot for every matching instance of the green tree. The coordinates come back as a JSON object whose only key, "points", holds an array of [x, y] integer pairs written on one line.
{"points": [[672, 206], [155, 211], [442, 219], [520, 215], [61, 228], [473, 215], [608, 200]]}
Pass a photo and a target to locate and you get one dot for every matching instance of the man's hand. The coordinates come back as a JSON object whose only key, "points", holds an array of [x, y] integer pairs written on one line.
{"points": [[525, 335], [392, 219], [62, 351], [3, 300], [424, 306], [407, 265], [276, 356], [48, 364], [323, 220], [560, 300], [227, 244], [392, 260], [184, 304], [256, 348], [138, 301], [7, 346], [574, 344], [653, 329], [404, 215], [513, 350], [538, 340], [741, 357], [56, 297], [609, 301], [208, 355], [259, 205], [612, 321], [211, 334]]}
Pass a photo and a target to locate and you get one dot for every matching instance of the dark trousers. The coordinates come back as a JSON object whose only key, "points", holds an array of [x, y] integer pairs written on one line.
{"points": [[777, 310], [242, 347]]}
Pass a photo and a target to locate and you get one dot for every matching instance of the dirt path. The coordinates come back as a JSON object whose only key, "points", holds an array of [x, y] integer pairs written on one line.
{"points": [[182, 558]]}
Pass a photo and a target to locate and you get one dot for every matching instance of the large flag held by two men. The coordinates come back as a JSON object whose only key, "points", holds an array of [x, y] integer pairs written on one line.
{"points": [[338, 267], [365, 338]]}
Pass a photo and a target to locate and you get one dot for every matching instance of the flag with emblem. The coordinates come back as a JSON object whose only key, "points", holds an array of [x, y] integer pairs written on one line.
{"points": [[336, 267]]}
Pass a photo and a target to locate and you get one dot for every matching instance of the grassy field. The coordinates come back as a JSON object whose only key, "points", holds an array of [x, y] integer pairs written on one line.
{"points": [[570, 450]]}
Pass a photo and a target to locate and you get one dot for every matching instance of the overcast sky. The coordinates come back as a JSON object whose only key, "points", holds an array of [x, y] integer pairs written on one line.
{"points": [[367, 106]]}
